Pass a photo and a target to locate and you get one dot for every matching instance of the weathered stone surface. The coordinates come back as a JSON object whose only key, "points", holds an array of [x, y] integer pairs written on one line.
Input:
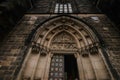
{"points": [[78, 6], [111, 37], [12, 53]]}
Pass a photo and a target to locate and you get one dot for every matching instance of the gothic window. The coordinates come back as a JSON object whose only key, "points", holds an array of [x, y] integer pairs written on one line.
{"points": [[63, 8]]}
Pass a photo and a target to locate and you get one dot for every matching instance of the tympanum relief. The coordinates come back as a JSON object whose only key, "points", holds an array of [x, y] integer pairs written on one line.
{"points": [[63, 41]]}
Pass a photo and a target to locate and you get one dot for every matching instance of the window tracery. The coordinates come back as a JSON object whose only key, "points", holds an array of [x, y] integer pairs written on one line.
{"points": [[63, 8]]}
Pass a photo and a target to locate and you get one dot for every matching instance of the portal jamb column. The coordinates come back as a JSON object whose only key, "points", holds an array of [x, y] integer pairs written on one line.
{"points": [[32, 77], [80, 67], [24, 64], [109, 75], [46, 75], [93, 65]]}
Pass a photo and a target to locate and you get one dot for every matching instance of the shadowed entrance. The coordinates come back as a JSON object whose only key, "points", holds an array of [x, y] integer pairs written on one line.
{"points": [[63, 67], [71, 70]]}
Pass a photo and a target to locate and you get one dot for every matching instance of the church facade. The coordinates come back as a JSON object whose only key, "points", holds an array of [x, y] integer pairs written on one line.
{"points": [[61, 40]]}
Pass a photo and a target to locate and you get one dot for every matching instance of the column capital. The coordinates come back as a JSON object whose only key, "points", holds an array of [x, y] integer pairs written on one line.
{"points": [[76, 55], [35, 48], [51, 55], [93, 50]]}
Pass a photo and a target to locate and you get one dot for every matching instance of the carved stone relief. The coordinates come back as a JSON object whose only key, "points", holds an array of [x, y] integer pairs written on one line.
{"points": [[63, 41], [37, 48]]}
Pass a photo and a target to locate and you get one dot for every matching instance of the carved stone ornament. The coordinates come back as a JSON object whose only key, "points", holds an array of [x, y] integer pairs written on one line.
{"points": [[93, 50], [43, 52], [85, 53], [35, 48], [63, 41], [26, 78]]}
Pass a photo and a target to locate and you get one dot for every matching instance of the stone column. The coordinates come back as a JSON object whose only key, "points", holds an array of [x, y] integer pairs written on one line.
{"points": [[93, 60], [30, 63], [80, 67], [105, 66], [40, 68], [24, 64], [46, 75], [35, 66]]}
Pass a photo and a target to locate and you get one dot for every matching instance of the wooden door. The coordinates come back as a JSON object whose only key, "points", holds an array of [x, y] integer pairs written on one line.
{"points": [[56, 71]]}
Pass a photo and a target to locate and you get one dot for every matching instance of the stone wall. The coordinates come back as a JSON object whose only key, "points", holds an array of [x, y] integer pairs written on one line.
{"points": [[78, 6], [110, 40], [11, 11], [13, 50], [111, 8]]}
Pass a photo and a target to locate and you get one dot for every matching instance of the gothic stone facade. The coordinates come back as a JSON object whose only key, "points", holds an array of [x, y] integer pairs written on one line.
{"points": [[29, 51]]}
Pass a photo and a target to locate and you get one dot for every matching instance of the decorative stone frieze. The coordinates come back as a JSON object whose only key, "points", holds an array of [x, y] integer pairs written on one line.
{"points": [[85, 53], [43, 51], [93, 50], [35, 47]]}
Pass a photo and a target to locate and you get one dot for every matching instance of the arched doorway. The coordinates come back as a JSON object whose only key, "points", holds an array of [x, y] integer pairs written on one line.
{"points": [[62, 37], [63, 67], [63, 64]]}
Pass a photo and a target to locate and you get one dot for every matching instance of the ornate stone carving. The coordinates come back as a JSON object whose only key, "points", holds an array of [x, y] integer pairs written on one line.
{"points": [[35, 48], [44, 50], [63, 41], [93, 50], [85, 52], [63, 27]]}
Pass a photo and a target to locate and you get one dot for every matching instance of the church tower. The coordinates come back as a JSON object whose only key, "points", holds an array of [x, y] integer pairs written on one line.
{"points": [[61, 40]]}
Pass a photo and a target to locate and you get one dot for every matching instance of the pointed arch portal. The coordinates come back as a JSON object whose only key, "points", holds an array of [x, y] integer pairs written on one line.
{"points": [[65, 49]]}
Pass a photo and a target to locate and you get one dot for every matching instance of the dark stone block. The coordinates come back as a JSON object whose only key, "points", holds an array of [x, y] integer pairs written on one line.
{"points": [[12, 67], [1, 78], [4, 68], [9, 72]]}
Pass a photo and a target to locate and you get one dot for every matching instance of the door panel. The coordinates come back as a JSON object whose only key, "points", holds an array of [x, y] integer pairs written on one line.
{"points": [[56, 71]]}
